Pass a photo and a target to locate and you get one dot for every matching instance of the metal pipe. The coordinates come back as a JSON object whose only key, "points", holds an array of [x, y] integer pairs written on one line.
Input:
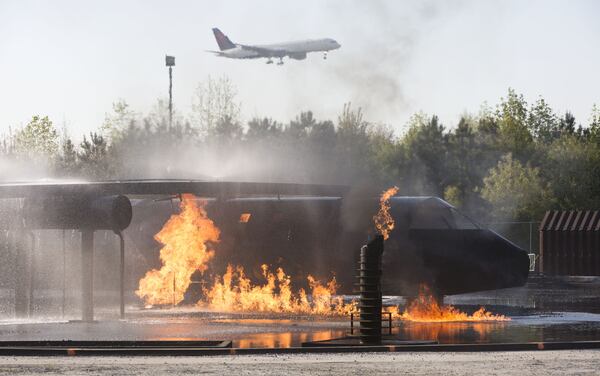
{"points": [[64, 273], [17, 273], [87, 275], [389, 315], [174, 289], [122, 275], [170, 97], [31, 275], [21, 270]]}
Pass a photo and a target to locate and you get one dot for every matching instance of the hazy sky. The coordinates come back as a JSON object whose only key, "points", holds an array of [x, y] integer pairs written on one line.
{"points": [[71, 59]]}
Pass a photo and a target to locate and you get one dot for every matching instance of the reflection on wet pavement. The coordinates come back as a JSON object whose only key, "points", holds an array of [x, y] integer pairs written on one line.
{"points": [[562, 326], [286, 339]]}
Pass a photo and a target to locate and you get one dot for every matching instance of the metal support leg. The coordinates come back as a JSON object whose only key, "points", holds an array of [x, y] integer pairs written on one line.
{"points": [[87, 275], [122, 275], [64, 273], [31, 275], [23, 275], [21, 270]]}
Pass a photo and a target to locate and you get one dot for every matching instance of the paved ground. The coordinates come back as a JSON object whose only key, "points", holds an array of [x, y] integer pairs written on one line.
{"points": [[586, 362]]}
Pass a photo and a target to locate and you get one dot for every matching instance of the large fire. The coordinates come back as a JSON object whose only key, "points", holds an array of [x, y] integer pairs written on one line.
{"points": [[185, 238], [425, 308], [235, 292], [384, 222]]}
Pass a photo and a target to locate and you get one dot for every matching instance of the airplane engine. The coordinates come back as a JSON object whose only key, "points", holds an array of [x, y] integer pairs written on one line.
{"points": [[298, 56]]}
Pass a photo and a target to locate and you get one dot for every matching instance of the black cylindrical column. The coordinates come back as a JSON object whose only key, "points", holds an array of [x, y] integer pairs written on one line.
{"points": [[87, 275], [369, 281]]}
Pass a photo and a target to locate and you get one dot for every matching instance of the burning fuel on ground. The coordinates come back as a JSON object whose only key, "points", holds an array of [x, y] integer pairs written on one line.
{"points": [[235, 292], [425, 308]]}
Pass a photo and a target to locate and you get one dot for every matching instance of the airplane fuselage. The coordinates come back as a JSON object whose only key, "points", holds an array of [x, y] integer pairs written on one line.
{"points": [[291, 49]]}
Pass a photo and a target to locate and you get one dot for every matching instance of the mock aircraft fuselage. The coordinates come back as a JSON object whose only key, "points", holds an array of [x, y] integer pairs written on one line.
{"points": [[432, 243]]}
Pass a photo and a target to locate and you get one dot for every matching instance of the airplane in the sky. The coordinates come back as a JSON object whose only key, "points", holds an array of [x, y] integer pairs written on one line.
{"points": [[294, 50]]}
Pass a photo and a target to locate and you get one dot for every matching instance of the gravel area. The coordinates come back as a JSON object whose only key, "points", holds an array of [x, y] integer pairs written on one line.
{"points": [[586, 362]]}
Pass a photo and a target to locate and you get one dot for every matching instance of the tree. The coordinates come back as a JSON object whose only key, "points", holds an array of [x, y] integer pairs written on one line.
{"points": [[567, 124], [517, 192], [425, 145], [226, 131], [215, 100], [454, 195], [8, 143], [300, 127], [38, 140], [542, 122], [322, 136], [594, 126], [351, 125], [93, 157], [352, 145], [66, 164], [464, 156], [118, 121], [263, 129], [572, 167], [515, 136]]}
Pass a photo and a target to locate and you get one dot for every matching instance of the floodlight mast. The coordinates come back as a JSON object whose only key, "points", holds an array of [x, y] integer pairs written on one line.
{"points": [[170, 62]]}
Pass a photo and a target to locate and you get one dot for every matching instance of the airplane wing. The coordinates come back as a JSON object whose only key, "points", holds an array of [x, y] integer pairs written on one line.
{"points": [[218, 53]]}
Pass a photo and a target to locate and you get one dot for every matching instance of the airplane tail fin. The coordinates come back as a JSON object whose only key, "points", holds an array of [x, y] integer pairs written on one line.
{"points": [[222, 40]]}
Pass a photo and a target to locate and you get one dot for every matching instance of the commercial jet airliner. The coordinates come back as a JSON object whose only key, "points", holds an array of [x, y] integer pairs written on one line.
{"points": [[294, 50]]}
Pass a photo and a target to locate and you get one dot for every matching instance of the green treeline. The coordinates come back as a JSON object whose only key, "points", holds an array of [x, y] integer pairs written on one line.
{"points": [[512, 161]]}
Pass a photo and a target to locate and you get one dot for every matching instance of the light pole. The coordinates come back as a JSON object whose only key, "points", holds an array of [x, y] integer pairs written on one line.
{"points": [[170, 62]]}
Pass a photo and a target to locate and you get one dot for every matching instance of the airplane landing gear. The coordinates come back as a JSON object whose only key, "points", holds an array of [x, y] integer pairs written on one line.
{"points": [[280, 62], [325, 55], [269, 61]]}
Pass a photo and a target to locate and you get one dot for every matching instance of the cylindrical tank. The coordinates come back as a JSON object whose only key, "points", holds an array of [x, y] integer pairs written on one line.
{"points": [[77, 212]]}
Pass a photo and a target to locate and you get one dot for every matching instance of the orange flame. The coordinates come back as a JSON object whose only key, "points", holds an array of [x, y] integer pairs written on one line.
{"points": [[384, 222], [184, 237], [235, 292], [425, 308]]}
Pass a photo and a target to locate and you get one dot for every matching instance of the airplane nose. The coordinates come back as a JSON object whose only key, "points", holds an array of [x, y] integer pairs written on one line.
{"points": [[337, 45]]}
